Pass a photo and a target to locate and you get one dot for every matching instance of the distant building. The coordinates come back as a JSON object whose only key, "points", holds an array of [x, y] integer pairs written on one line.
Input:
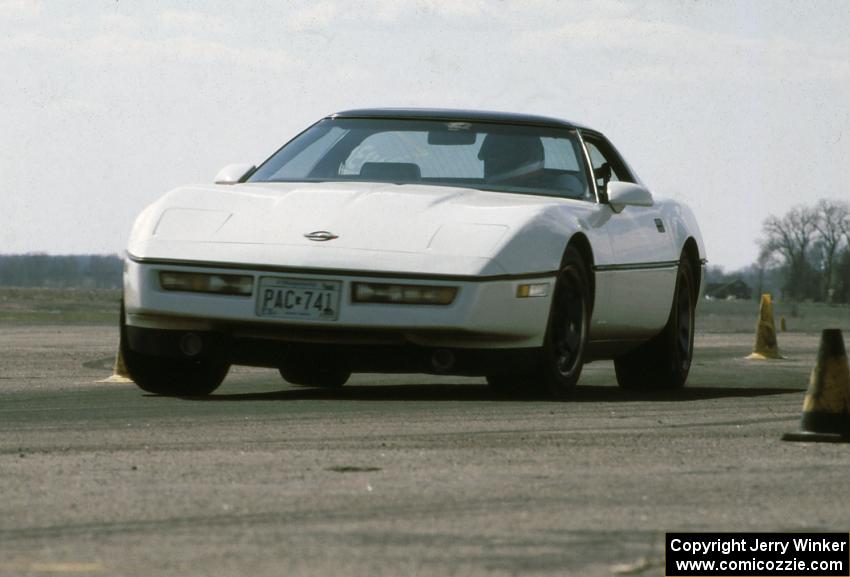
{"points": [[736, 289]]}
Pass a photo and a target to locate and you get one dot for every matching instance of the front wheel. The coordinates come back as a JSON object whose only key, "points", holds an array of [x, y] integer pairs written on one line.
{"points": [[664, 361], [511, 384], [171, 377], [567, 333], [307, 374], [566, 338]]}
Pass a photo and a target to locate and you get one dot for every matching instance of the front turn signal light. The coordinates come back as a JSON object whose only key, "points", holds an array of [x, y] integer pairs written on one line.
{"points": [[226, 284], [362, 292], [525, 291]]}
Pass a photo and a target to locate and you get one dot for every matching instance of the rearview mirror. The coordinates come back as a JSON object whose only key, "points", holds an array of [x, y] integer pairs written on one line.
{"points": [[452, 137], [233, 173], [622, 194]]}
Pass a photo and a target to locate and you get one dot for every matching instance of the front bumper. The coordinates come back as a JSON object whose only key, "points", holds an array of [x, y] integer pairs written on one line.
{"points": [[358, 358], [486, 313]]}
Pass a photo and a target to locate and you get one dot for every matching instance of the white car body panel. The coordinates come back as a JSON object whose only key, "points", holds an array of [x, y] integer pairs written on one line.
{"points": [[381, 227], [478, 316], [639, 299]]}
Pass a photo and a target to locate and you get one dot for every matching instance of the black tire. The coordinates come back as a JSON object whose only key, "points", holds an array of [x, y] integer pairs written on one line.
{"points": [[567, 330], [171, 377], [566, 337], [665, 360], [313, 375]]}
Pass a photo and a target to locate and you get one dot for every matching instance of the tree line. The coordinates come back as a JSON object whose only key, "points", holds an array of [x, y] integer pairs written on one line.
{"points": [[804, 255], [65, 271]]}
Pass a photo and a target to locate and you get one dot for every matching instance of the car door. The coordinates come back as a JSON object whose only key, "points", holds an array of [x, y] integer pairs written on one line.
{"points": [[642, 274]]}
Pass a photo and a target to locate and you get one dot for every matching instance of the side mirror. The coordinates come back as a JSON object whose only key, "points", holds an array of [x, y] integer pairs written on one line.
{"points": [[233, 173], [623, 194]]}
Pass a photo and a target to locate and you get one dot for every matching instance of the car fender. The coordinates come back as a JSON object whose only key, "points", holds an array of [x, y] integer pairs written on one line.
{"points": [[682, 224], [538, 244]]}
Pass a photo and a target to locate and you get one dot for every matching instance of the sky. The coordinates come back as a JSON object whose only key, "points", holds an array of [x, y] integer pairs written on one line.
{"points": [[737, 108]]}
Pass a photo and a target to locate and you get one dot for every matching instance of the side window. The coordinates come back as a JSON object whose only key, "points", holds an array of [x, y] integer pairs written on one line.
{"points": [[559, 155], [563, 171], [606, 163]]}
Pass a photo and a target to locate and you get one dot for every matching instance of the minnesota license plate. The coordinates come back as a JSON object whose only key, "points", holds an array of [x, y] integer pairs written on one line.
{"points": [[298, 298]]}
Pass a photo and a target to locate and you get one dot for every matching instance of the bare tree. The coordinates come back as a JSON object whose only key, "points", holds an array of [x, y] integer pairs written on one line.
{"points": [[832, 223], [842, 276], [764, 262], [792, 236], [845, 227]]}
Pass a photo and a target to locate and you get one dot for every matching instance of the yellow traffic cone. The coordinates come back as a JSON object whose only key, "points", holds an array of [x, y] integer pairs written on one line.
{"points": [[826, 409], [119, 372], [766, 346]]}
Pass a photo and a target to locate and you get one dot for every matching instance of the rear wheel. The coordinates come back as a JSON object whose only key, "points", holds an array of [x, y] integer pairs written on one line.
{"points": [[171, 377], [664, 361]]}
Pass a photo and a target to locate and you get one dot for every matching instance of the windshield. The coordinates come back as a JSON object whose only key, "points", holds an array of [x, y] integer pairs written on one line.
{"points": [[497, 157]]}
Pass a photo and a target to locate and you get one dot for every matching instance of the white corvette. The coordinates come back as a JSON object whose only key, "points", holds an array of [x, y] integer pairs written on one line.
{"points": [[511, 246]]}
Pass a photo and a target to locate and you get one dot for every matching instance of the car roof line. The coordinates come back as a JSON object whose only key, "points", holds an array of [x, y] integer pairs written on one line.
{"points": [[451, 114]]}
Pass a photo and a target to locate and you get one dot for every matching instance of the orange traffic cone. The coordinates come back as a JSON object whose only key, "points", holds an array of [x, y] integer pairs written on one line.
{"points": [[766, 346], [826, 409]]}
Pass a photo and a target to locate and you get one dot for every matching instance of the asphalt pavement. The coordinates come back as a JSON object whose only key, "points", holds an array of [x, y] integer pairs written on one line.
{"points": [[395, 474]]}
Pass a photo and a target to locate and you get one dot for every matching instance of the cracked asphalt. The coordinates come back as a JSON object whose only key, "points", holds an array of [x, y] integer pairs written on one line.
{"points": [[395, 474]]}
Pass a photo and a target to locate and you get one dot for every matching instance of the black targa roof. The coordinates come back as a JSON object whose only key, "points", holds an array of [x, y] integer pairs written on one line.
{"points": [[457, 115]]}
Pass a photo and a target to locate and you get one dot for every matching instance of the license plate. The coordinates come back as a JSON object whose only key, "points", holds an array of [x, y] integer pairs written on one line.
{"points": [[298, 298]]}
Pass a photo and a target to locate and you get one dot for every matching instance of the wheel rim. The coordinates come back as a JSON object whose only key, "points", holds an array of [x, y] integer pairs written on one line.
{"points": [[569, 325], [684, 322]]}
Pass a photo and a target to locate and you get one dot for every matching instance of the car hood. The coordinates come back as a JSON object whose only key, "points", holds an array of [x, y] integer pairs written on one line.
{"points": [[404, 228]]}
